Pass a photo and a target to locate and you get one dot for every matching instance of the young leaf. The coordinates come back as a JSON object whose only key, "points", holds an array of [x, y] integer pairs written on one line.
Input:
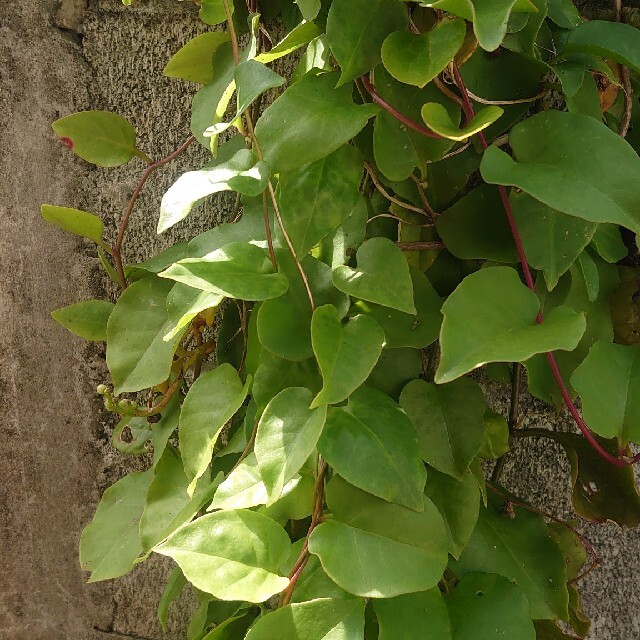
{"points": [[552, 240], [421, 615], [212, 400], [491, 317], [237, 270], [194, 61], [459, 504], [287, 435], [382, 276], [358, 436], [556, 162], [137, 355], [284, 323], [608, 243], [253, 79], [438, 120], [86, 319], [110, 544], [185, 303], [346, 354], [241, 173], [489, 19], [334, 182], [612, 40], [489, 607], [449, 421], [302, 34], [356, 30], [233, 555], [321, 619], [308, 121], [521, 550], [213, 11], [82, 223], [99, 137], [376, 549], [418, 58], [405, 330], [168, 505], [607, 382]]}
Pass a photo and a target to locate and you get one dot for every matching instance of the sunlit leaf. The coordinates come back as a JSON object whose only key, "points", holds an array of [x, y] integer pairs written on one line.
{"points": [[86, 319]]}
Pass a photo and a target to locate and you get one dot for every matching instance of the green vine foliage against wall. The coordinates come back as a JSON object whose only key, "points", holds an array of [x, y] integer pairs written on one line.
{"points": [[438, 188]]}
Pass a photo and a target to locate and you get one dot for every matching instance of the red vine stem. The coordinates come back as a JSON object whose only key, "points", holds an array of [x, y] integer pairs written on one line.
{"points": [[394, 112], [117, 248], [515, 232]]}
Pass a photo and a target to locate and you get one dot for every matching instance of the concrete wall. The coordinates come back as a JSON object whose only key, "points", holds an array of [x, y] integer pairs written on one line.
{"points": [[56, 455]]}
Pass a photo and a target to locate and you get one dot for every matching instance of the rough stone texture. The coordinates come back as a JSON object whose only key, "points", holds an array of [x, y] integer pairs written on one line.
{"points": [[57, 458]]}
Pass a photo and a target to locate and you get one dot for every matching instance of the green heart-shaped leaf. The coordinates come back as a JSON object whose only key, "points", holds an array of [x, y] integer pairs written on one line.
{"points": [[418, 58], [358, 436], [439, 120], [194, 61], [382, 276], [491, 317], [346, 354]]}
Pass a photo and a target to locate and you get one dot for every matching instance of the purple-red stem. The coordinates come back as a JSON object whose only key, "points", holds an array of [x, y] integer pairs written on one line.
{"points": [[515, 232]]}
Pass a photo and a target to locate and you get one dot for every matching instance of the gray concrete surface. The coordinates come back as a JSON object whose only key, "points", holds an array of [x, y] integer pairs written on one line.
{"points": [[56, 58]]}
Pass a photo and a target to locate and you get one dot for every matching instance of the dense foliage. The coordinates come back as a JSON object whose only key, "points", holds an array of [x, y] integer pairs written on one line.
{"points": [[437, 188]]}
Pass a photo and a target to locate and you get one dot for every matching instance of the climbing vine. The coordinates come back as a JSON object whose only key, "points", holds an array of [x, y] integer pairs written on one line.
{"points": [[439, 193]]}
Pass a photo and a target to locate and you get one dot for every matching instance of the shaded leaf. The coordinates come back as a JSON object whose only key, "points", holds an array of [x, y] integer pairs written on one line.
{"points": [[504, 327], [346, 354], [357, 437]]}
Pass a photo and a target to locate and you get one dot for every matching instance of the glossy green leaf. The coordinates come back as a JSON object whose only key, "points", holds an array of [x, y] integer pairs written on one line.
{"points": [[316, 56], [607, 382], [233, 555], [438, 120], [613, 40], [241, 173], [486, 606], [310, 120], [86, 319], [376, 549], [564, 13], [358, 436], [504, 326], [185, 303], [308, 8], [321, 619], [489, 18], [296, 38], [212, 400], [449, 421], [137, 355], [252, 79], [287, 435], [213, 11], [356, 30], [345, 354], [476, 227], [521, 550], [237, 270], [99, 137], [559, 162], [194, 61], [382, 276], [110, 544], [405, 330], [459, 504], [421, 615], [284, 323], [608, 243], [82, 223], [168, 505], [334, 182], [242, 488], [552, 240], [418, 58]]}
